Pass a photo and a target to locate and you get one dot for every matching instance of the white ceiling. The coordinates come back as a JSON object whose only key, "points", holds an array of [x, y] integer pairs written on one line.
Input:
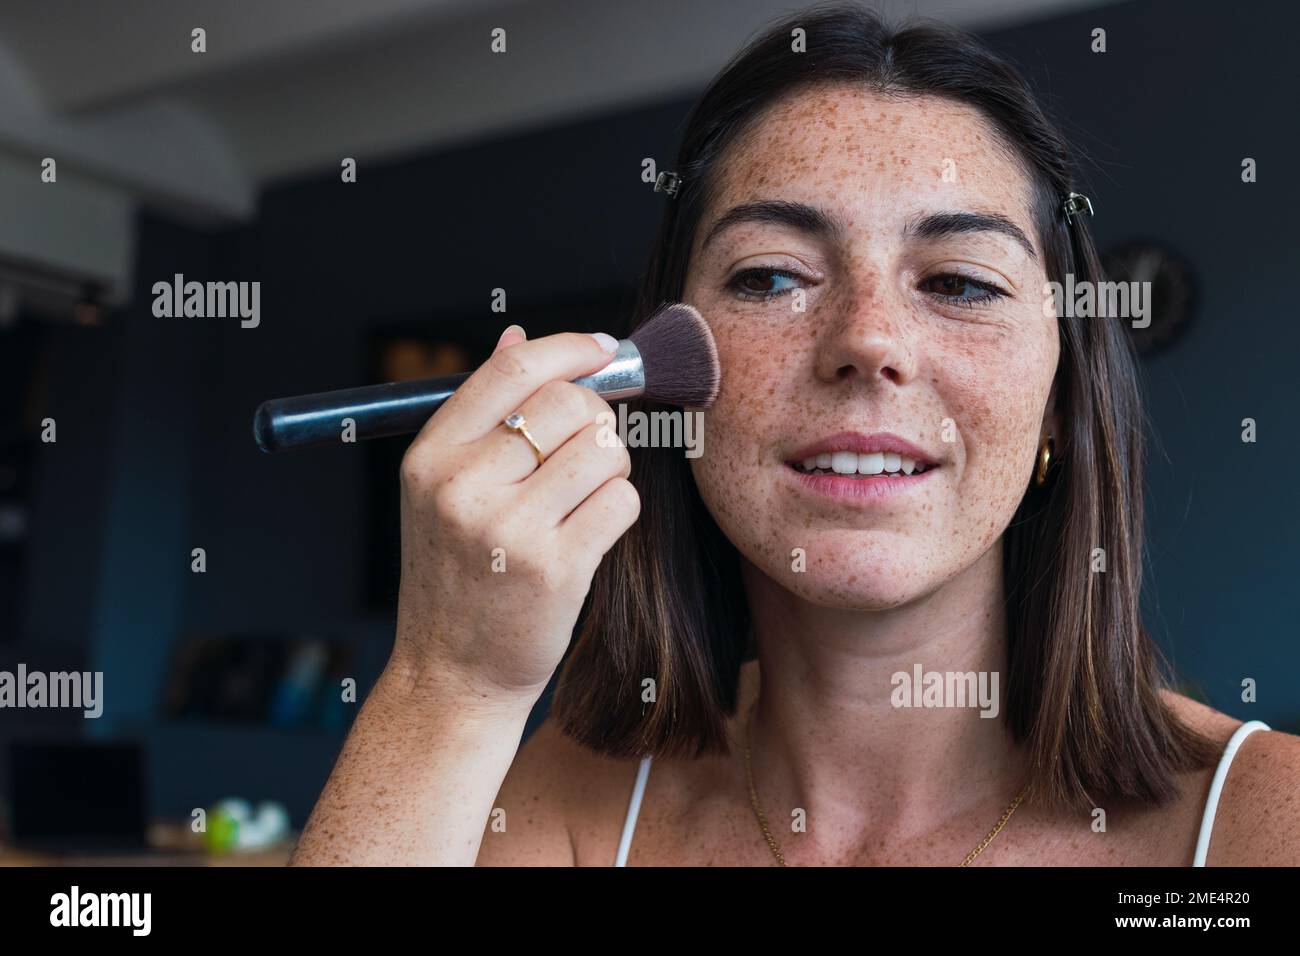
{"points": [[290, 86]]}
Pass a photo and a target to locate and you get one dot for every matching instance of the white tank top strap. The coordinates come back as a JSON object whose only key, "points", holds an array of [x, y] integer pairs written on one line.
{"points": [[1216, 787], [633, 809]]}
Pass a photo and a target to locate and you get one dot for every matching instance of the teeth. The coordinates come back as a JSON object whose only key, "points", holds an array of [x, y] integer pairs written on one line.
{"points": [[844, 462], [872, 464], [850, 463]]}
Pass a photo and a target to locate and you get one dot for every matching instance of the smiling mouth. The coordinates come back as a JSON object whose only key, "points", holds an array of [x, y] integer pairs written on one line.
{"points": [[847, 464]]}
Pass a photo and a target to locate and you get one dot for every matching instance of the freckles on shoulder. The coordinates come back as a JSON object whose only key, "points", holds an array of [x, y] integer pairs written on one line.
{"points": [[1258, 818]]}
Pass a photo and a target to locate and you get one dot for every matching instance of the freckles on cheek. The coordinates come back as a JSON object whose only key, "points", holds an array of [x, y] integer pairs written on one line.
{"points": [[1000, 419], [757, 368], [759, 383]]}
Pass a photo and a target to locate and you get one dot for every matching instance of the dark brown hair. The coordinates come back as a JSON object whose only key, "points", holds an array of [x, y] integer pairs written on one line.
{"points": [[1085, 678]]}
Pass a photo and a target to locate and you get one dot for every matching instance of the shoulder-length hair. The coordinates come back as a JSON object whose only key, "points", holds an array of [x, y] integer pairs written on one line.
{"points": [[1085, 679]]}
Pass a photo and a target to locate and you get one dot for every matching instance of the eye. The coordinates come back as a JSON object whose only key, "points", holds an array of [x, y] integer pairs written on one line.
{"points": [[762, 283], [960, 290]]}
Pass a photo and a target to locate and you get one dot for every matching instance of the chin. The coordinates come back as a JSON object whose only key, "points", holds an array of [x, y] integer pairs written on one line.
{"points": [[856, 575]]}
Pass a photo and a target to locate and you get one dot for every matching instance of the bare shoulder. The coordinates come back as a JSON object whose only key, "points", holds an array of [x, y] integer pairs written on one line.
{"points": [[528, 823], [551, 803], [1258, 818]]}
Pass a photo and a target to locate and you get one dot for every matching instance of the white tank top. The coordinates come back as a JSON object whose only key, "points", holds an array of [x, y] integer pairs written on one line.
{"points": [[1202, 839]]}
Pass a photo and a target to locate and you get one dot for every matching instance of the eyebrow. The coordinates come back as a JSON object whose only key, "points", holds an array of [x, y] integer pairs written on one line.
{"points": [[941, 225], [823, 225], [797, 215]]}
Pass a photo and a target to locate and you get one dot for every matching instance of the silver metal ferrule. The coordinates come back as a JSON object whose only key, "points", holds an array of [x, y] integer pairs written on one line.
{"points": [[623, 377]]}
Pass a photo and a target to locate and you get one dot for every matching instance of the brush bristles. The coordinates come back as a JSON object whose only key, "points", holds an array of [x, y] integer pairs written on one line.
{"points": [[679, 356]]}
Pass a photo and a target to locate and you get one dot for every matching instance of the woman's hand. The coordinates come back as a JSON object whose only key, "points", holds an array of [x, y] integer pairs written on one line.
{"points": [[498, 552], [497, 557]]}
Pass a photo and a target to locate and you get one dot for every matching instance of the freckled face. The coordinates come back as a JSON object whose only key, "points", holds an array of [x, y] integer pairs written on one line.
{"points": [[893, 322]]}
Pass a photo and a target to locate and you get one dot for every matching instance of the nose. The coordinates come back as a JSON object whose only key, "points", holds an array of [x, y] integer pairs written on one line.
{"points": [[866, 336]]}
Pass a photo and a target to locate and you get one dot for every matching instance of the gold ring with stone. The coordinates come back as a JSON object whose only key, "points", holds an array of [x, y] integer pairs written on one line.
{"points": [[515, 422]]}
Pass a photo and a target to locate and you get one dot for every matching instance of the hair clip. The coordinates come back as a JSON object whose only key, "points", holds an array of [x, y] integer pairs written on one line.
{"points": [[668, 183], [1076, 203]]}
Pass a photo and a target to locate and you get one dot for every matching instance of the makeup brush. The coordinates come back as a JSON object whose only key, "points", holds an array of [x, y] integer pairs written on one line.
{"points": [[670, 358]]}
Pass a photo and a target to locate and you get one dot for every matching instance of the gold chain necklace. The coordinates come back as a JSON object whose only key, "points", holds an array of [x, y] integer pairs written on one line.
{"points": [[776, 849]]}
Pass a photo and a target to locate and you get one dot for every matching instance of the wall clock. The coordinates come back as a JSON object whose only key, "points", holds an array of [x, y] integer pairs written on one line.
{"points": [[1172, 291]]}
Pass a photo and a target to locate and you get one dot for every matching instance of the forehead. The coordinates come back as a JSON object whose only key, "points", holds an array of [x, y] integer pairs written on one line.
{"points": [[857, 149]]}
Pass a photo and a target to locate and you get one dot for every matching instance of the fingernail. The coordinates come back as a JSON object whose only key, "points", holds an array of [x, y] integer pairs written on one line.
{"points": [[509, 329], [607, 342]]}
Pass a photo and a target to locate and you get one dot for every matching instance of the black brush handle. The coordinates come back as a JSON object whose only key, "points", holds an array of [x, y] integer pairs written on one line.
{"points": [[378, 411], [401, 408]]}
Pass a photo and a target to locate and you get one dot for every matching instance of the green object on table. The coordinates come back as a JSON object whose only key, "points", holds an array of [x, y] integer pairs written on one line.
{"points": [[222, 833]]}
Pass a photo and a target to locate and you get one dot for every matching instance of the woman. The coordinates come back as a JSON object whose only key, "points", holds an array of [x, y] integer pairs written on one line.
{"points": [[910, 471]]}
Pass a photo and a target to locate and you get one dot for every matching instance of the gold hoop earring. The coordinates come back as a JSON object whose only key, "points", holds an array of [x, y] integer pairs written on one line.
{"points": [[1044, 460]]}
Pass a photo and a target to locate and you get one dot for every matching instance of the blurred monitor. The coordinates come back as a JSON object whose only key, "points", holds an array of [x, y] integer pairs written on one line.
{"points": [[77, 797]]}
